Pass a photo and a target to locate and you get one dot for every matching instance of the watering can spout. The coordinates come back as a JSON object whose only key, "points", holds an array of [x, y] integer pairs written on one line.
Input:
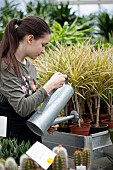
{"points": [[73, 115]]}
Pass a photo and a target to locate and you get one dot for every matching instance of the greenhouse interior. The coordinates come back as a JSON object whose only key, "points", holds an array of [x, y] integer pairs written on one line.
{"points": [[56, 73]]}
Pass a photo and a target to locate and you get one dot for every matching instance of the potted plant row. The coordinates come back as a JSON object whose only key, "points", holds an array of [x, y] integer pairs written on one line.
{"points": [[89, 72], [8, 161]]}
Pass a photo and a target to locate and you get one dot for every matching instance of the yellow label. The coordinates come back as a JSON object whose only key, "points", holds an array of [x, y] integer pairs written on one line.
{"points": [[49, 160]]}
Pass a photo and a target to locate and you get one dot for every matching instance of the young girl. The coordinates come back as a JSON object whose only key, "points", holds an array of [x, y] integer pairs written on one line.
{"points": [[19, 97]]}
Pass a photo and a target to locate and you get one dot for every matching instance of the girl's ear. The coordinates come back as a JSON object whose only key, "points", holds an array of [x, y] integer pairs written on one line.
{"points": [[30, 38]]}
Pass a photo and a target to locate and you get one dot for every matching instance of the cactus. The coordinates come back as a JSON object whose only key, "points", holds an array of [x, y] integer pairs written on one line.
{"points": [[2, 167], [87, 157], [61, 158], [82, 157], [58, 163], [27, 163], [78, 158], [10, 164], [23, 157]]}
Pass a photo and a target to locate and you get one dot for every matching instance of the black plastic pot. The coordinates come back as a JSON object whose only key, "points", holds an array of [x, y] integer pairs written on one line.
{"points": [[64, 129], [101, 128]]}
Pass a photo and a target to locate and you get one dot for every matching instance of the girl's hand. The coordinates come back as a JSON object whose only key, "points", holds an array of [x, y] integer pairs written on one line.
{"points": [[53, 128], [56, 81]]}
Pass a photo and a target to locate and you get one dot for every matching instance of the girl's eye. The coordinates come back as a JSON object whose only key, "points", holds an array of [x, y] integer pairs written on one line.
{"points": [[43, 45]]}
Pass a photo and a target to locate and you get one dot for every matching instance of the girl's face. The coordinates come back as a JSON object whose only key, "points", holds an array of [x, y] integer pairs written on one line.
{"points": [[37, 47]]}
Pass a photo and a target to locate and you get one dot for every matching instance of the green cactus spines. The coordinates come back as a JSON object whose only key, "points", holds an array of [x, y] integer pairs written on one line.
{"points": [[63, 156], [82, 157], [87, 157], [26, 163], [58, 163], [29, 164], [78, 158]]}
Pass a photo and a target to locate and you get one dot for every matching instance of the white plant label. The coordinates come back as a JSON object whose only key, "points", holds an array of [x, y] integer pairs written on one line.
{"points": [[3, 126], [80, 167], [41, 154]]}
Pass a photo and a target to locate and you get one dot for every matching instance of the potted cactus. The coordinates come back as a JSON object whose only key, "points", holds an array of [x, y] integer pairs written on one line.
{"points": [[26, 163], [78, 158], [61, 160], [82, 157], [8, 164]]}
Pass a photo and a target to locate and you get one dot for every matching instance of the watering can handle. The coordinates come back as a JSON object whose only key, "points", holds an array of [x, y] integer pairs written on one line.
{"points": [[66, 80]]}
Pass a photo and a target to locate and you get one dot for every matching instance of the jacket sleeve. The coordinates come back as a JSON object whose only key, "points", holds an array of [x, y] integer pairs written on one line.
{"points": [[11, 89]]}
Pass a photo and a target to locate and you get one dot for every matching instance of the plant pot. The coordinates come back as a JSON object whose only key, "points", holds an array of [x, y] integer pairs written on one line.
{"points": [[108, 122], [102, 127], [104, 116], [87, 121], [64, 129], [83, 130]]}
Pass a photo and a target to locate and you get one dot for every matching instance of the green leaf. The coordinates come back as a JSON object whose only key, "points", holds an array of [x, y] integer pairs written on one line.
{"points": [[111, 134]]}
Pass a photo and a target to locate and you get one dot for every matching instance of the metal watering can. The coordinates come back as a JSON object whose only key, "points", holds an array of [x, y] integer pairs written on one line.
{"points": [[46, 115]]}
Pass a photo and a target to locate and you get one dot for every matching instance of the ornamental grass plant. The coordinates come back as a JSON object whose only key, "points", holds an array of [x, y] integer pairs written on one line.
{"points": [[89, 71]]}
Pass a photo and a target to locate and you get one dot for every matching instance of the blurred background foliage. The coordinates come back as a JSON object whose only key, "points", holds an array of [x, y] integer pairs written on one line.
{"points": [[66, 26]]}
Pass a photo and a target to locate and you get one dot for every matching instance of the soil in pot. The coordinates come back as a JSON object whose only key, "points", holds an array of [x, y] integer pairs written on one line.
{"points": [[83, 130], [102, 127], [64, 129]]}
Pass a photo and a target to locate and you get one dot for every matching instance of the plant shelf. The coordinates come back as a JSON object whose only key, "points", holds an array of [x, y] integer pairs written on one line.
{"points": [[97, 142]]}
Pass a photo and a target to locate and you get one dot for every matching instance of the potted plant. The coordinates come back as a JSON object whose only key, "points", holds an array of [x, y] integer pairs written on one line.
{"points": [[88, 70], [79, 63], [10, 148], [102, 79], [109, 119]]}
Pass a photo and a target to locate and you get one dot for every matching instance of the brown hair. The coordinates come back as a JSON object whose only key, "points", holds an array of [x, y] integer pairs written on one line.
{"points": [[15, 31]]}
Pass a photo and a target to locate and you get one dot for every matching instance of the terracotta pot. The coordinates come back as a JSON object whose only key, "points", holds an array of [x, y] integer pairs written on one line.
{"points": [[104, 116], [84, 130], [87, 121]]}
